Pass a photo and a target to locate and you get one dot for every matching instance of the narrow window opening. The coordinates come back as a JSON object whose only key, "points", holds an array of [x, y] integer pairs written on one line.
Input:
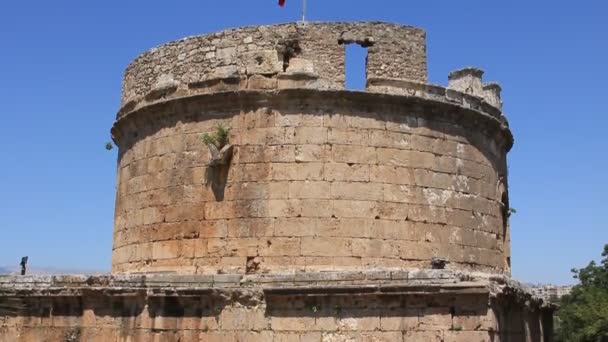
{"points": [[356, 61]]}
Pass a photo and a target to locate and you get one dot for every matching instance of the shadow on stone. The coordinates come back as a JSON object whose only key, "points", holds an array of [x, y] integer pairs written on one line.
{"points": [[216, 177]]}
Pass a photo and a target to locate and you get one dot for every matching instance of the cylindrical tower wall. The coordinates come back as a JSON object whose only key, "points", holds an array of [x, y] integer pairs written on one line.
{"points": [[320, 178]]}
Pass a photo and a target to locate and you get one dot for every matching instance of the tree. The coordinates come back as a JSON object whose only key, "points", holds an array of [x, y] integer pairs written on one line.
{"points": [[583, 314]]}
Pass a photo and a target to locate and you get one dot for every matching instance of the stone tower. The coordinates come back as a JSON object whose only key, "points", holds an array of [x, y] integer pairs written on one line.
{"points": [[320, 178], [323, 215]]}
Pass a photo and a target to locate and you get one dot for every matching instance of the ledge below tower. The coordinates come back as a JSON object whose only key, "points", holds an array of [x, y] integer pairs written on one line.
{"points": [[415, 305]]}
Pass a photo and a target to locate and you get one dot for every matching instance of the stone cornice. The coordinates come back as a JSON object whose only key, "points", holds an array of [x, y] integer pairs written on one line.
{"points": [[372, 282], [474, 111]]}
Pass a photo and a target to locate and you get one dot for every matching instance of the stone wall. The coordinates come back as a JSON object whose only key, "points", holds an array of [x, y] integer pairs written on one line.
{"points": [[318, 180], [261, 54], [416, 306]]}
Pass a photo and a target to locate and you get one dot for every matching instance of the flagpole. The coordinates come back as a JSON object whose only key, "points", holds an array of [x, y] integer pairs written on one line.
{"points": [[303, 11]]}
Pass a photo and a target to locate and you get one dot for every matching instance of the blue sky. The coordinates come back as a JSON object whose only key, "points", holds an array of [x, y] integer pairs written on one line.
{"points": [[61, 64]]}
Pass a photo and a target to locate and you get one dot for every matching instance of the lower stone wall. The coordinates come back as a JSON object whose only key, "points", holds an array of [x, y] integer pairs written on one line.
{"points": [[435, 308]]}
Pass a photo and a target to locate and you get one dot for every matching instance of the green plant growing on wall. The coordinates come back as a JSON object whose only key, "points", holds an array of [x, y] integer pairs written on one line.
{"points": [[218, 143], [216, 174], [219, 138]]}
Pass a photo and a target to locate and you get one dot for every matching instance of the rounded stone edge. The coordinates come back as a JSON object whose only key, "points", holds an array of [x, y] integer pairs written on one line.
{"points": [[378, 93]]}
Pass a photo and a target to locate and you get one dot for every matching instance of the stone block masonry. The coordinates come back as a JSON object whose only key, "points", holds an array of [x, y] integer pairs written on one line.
{"points": [[381, 182], [435, 306], [321, 178], [330, 216], [263, 54]]}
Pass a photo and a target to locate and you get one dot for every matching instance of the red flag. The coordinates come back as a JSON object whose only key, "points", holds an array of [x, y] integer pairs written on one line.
{"points": [[281, 3]]}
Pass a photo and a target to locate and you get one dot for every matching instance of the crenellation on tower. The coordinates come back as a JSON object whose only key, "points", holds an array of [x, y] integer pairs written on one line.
{"points": [[492, 94], [467, 80]]}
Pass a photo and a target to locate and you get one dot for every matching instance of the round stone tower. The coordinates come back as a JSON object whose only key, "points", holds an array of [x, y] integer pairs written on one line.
{"points": [[259, 200], [312, 176]]}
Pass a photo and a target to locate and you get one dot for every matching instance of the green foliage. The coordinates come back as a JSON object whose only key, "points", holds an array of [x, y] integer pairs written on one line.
{"points": [[208, 139], [583, 314], [511, 211], [109, 146], [219, 138]]}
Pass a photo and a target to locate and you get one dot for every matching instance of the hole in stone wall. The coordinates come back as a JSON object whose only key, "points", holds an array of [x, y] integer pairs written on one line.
{"points": [[356, 61], [253, 265], [288, 49]]}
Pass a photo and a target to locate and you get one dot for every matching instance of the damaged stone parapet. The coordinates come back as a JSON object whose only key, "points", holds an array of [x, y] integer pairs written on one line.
{"points": [[492, 94], [466, 80], [469, 81], [292, 56], [238, 58], [304, 77], [439, 93]]}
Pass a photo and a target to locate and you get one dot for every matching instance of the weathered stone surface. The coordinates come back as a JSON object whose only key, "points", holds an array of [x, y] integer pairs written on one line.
{"points": [[265, 62], [366, 181], [372, 305], [395, 51], [300, 65]]}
